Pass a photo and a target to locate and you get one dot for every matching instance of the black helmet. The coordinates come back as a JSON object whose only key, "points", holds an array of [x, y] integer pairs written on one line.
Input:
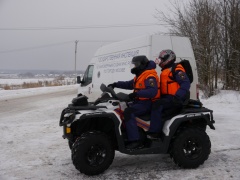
{"points": [[140, 63], [166, 57]]}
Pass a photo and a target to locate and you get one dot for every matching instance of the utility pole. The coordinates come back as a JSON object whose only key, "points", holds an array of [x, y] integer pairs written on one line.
{"points": [[75, 69]]}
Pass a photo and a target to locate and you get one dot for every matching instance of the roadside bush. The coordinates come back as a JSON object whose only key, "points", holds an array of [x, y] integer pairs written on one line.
{"points": [[32, 85], [6, 87]]}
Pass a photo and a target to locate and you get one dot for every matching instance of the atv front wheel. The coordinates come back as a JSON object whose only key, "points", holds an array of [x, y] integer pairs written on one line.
{"points": [[92, 153], [70, 144], [190, 148]]}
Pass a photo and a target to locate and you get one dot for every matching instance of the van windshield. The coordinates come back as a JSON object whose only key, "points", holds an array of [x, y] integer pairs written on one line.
{"points": [[87, 78]]}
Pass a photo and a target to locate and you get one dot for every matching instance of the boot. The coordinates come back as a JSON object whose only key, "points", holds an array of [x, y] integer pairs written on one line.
{"points": [[153, 135], [132, 145]]}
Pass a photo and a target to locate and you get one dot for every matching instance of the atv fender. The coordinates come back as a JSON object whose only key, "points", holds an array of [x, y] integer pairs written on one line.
{"points": [[108, 115], [172, 125]]}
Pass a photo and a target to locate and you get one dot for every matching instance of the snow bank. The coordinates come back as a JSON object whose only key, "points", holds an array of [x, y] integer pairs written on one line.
{"points": [[225, 96], [225, 103]]}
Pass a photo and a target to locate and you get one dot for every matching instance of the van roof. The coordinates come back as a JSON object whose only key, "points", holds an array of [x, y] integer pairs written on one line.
{"points": [[133, 43], [125, 44]]}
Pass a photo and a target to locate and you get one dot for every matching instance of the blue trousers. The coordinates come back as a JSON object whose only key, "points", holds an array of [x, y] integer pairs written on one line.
{"points": [[136, 109], [163, 104]]}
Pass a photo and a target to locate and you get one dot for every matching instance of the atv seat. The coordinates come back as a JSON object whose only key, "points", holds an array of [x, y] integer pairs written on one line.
{"points": [[189, 106], [167, 114]]}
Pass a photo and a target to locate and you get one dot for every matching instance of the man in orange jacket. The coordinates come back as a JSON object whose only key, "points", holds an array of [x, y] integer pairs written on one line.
{"points": [[174, 90], [146, 89]]}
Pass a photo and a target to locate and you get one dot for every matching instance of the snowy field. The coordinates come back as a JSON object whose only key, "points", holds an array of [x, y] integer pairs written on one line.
{"points": [[21, 81], [32, 146]]}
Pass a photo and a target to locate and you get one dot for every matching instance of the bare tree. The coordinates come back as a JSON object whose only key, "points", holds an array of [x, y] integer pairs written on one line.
{"points": [[213, 27], [229, 21], [197, 20]]}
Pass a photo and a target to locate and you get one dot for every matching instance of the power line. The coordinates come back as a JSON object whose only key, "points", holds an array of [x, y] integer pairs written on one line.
{"points": [[36, 47], [80, 27], [50, 45]]}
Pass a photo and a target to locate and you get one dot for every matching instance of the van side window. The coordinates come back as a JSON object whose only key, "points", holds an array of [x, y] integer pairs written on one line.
{"points": [[87, 78]]}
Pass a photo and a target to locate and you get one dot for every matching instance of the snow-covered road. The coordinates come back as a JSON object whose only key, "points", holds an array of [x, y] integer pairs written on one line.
{"points": [[31, 146]]}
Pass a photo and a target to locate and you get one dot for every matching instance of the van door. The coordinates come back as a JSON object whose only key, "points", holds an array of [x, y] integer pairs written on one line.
{"points": [[86, 85]]}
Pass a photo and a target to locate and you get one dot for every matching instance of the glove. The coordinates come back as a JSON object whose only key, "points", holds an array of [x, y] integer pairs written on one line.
{"points": [[132, 95], [113, 85]]}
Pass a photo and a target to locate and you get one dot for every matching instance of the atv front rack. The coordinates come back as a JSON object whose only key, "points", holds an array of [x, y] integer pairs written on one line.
{"points": [[92, 107], [72, 110]]}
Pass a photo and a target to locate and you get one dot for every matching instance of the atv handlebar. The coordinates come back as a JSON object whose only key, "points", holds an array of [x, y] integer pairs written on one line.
{"points": [[119, 96]]}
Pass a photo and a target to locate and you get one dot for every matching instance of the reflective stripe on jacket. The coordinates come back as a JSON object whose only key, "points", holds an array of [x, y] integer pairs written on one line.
{"points": [[139, 83], [168, 84]]}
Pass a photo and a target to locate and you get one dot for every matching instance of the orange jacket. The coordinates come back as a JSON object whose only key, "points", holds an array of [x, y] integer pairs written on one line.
{"points": [[139, 83], [168, 85]]}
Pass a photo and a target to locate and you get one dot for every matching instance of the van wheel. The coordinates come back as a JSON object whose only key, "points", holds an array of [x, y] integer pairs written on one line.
{"points": [[92, 153], [190, 148]]}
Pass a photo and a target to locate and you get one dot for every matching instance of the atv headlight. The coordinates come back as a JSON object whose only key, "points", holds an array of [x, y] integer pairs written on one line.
{"points": [[68, 115], [68, 118]]}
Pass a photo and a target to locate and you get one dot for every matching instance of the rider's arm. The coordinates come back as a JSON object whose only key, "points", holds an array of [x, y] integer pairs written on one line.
{"points": [[125, 84], [151, 88], [184, 83]]}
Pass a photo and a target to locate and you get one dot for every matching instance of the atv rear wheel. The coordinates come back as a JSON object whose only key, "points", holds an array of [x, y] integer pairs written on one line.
{"points": [[92, 153], [190, 148]]}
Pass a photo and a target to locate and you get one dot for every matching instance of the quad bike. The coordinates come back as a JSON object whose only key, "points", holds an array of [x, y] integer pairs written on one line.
{"points": [[95, 130]]}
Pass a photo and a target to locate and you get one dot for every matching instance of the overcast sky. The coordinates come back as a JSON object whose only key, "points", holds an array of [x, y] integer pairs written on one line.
{"points": [[25, 46]]}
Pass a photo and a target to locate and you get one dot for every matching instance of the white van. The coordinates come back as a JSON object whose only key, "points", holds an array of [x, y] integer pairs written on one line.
{"points": [[111, 63]]}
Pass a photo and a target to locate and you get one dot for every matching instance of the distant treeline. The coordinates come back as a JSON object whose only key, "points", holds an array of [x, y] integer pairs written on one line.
{"points": [[213, 27]]}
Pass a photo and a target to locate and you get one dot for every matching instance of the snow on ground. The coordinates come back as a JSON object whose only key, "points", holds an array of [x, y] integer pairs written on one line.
{"points": [[31, 146], [226, 109]]}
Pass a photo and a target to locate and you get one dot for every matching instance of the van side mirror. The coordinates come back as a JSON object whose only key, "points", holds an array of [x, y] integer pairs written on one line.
{"points": [[79, 80]]}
